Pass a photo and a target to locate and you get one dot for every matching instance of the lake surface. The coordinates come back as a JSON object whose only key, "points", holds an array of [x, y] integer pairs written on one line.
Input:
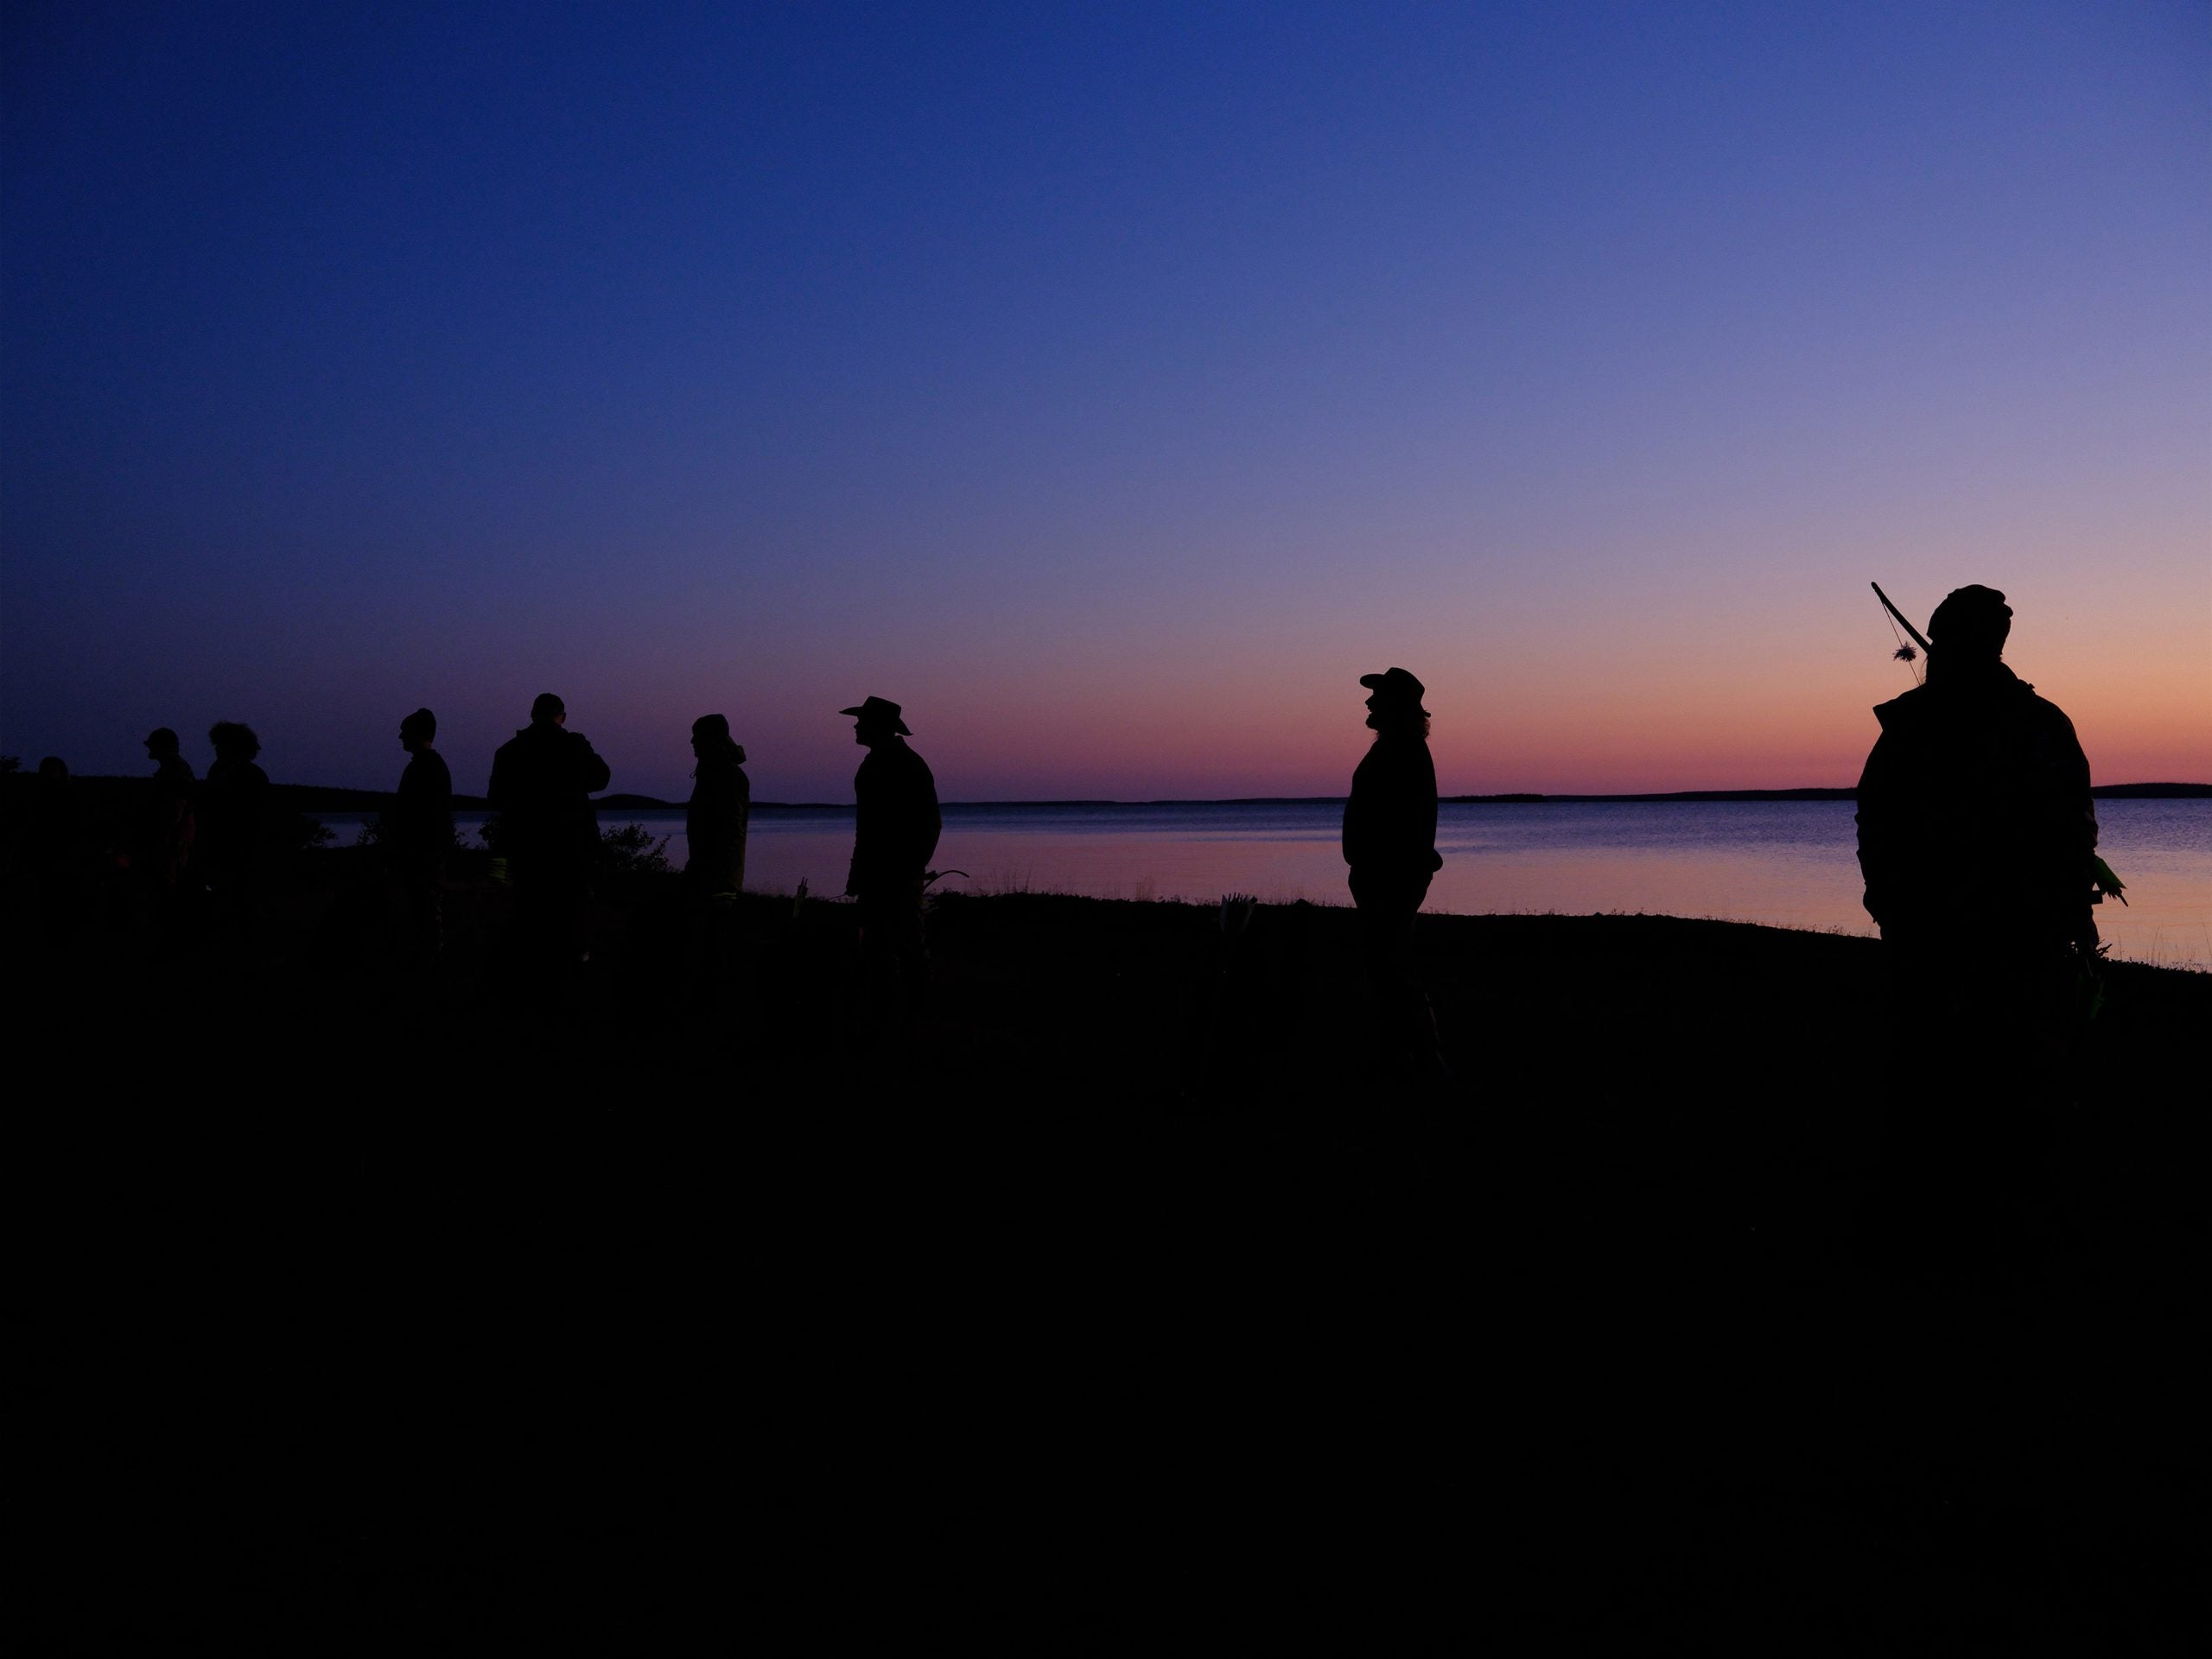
{"points": [[1788, 863]]}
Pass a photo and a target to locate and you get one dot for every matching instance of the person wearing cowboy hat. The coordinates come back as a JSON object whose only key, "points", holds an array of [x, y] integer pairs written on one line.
{"points": [[1390, 844], [895, 834]]}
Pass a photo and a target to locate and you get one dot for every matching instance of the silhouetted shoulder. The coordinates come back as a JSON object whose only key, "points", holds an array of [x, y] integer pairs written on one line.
{"points": [[895, 766], [1899, 712], [2046, 713], [591, 769], [426, 782], [2010, 699]]}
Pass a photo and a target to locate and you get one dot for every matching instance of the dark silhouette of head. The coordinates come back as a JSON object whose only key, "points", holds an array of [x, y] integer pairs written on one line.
{"points": [[54, 767], [418, 730], [161, 743], [710, 737], [234, 741], [875, 720], [547, 707], [1972, 622], [1394, 702]]}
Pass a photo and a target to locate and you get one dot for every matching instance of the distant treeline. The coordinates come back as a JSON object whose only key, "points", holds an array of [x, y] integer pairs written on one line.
{"points": [[101, 793], [2103, 792]]}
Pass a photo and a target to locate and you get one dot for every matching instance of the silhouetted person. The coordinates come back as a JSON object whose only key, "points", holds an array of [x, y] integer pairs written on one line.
{"points": [[1390, 842], [715, 818], [894, 834], [53, 829], [57, 852], [543, 779], [1976, 834], [232, 847], [714, 822], [418, 833], [162, 854]]}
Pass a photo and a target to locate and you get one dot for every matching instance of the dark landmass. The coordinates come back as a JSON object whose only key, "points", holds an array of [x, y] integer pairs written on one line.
{"points": [[2102, 791], [316, 797], [2152, 791], [118, 798], [110, 795], [1128, 1309], [1676, 795]]}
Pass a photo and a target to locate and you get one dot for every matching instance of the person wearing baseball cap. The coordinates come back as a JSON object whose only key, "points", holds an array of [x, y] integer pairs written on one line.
{"points": [[1390, 844], [895, 830]]}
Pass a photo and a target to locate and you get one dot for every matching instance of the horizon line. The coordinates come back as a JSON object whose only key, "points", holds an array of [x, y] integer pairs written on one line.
{"points": [[2170, 789]]}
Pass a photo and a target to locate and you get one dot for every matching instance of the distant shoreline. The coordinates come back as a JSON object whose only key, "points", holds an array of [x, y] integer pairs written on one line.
{"points": [[316, 797]]}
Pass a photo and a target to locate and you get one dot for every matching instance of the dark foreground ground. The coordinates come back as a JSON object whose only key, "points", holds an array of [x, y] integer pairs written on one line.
{"points": [[1128, 1311]]}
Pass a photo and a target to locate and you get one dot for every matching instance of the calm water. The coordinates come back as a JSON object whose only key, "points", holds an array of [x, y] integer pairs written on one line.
{"points": [[1788, 863]]}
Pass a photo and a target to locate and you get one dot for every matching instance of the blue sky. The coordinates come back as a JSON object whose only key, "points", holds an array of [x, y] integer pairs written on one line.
{"points": [[1112, 385]]}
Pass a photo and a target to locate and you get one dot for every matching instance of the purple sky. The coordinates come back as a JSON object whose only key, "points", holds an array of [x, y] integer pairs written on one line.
{"points": [[1112, 386]]}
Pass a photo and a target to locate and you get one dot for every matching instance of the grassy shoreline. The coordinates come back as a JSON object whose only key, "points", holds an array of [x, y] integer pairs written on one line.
{"points": [[1126, 1311]]}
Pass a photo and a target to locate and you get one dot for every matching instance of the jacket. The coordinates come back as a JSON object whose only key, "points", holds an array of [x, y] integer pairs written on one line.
{"points": [[1974, 814], [543, 779], [714, 821], [1390, 816], [421, 824], [898, 824]]}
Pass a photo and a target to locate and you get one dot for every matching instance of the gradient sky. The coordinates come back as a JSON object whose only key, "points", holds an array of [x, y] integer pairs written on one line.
{"points": [[1111, 385]]}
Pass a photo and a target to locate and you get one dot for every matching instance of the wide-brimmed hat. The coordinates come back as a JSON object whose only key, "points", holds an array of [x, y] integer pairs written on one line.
{"points": [[1395, 685], [880, 710]]}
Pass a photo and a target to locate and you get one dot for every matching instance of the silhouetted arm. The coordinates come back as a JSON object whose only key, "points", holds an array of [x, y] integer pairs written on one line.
{"points": [[1876, 835], [928, 819], [1390, 816], [898, 821], [1890, 831], [865, 809], [2068, 828], [1425, 787], [713, 823], [591, 769]]}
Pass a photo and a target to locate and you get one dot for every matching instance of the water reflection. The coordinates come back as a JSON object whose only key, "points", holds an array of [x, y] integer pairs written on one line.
{"points": [[1787, 863]]}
